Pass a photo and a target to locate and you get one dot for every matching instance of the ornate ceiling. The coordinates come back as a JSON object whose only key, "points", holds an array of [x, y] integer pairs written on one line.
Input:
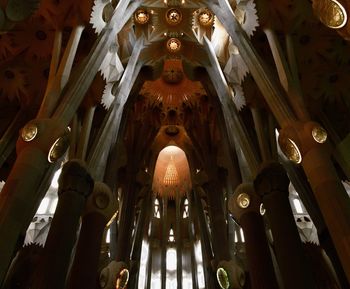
{"points": [[173, 32]]}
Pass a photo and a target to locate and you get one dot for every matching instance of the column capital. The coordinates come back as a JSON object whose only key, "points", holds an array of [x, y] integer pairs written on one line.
{"points": [[271, 177], [75, 177], [244, 201], [298, 138], [101, 201], [48, 135]]}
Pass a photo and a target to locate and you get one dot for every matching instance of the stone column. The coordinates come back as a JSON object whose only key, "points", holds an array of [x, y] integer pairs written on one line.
{"points": [[164, 241], [298, 137], [99, 209], [302, 186], [150, 246], [75, 185], [127, 216], [218, 224], [21, 195], [192, 240], [141, 229], [194, 270], [244, 205], [178, 240], [207, 253], [304, 142], [272, 184]]}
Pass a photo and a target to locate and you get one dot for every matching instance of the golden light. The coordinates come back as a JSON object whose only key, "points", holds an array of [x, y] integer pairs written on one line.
{"points": [[29, 132], [172, 173], [319, 134], [123, 279], [141, 16], [173, 45], [173, 16], [59, 148], [243, 200], [290, 150], [171, 176], [205, 18], [332, 13]]}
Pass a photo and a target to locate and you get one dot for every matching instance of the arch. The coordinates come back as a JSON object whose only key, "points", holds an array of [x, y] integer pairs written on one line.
{"points": [[172, 173]]}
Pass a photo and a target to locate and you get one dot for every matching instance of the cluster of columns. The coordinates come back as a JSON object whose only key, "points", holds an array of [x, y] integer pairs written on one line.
{"points": [[79, 198], [161, 247], [17, 201], [31, 173], [270, 188], [296, 126], [214, 234]]}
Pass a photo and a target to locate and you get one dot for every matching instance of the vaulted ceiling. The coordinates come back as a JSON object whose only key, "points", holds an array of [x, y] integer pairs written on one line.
{"points": [[175, 101]]}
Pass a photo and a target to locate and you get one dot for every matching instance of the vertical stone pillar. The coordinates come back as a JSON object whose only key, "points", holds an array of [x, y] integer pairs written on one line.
{"points": [[141, 228], [114, 237], [127, 216], [21, 195], [304, 143], [244, 205], [219, 234], [197, 207], [99, 209], [164, 242], [150, 249], [271, 184], [193, 266], [302, 186], [192, 240], [178, 241], [75, 185]]}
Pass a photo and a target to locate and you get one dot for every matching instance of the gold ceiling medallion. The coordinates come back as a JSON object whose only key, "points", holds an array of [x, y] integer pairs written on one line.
{"points": [[141, 16], [173, 16], [332, 14], [205, 17], [173, 45]]}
